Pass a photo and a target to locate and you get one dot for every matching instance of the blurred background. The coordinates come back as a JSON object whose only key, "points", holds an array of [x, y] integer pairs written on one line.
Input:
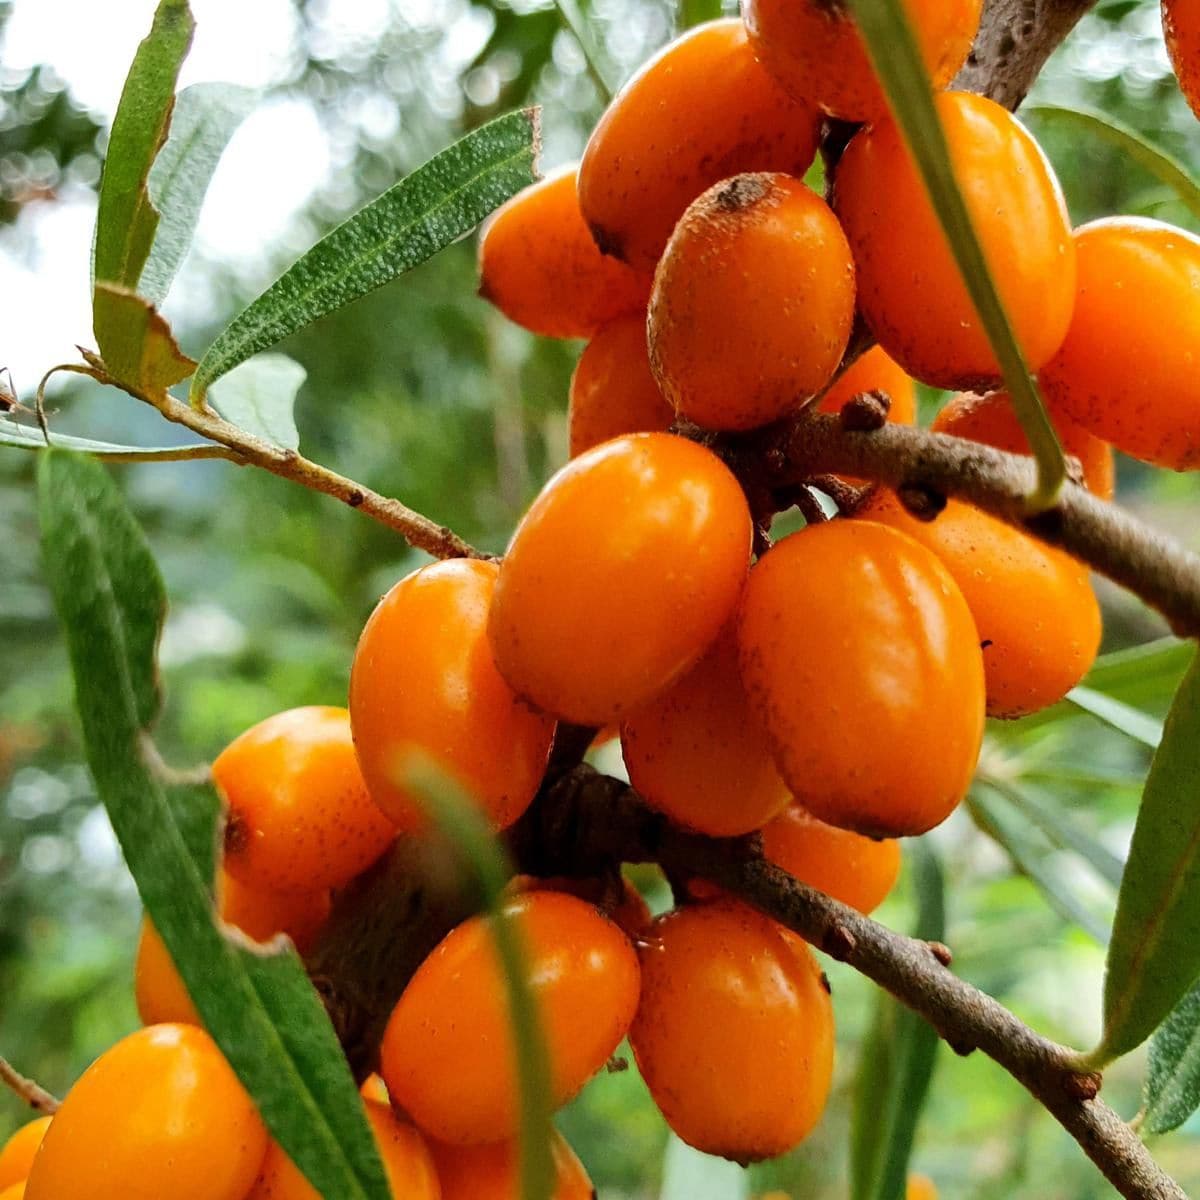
{"points": [[421, 391]]}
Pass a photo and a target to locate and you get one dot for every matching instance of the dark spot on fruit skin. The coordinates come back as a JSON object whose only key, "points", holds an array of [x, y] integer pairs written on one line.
{"points": [[741, 192], [237, 834]]}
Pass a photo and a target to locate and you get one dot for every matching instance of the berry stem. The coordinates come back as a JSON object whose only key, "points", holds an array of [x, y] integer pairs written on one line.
{"points": [[32, 1093]]}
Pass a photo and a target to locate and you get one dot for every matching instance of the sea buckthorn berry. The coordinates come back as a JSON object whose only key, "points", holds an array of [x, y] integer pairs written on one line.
{"points": [[909, 287], [299, 817], [815, 51], [448, 1055], [1127, 371], [260, 913], [920, 1187], [16, 1155], [729, 995], [159, 1114], [424, 681], [856, 870], [407, 1163], [874, 371], [540, 267], [702, 110], [620, 576], [617, 898], [158, 987], [1181, 27], [753, 302], [992, 421], [698, 753], [493, 1171], [860, 657], [613, 390], [15, 1192], [1034, 608]]}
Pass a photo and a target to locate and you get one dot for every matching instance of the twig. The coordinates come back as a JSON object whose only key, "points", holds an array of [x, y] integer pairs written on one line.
{"points": [[33, 1094]]}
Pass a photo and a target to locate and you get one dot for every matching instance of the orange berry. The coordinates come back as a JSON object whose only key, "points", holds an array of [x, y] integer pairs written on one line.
{"points": [[448, 1055], [612, 390], [817, 54], [424, 680], [260, 913], [493, 1171], [860, 657], [992, 421], [407, 1163], [299, 817], [874, 371], [920, 1187], [620, 576], [16, 1155], [909, 287], [16, 1192], [159, 1114], [698, 753], [728, 996], [752, 304], [702, 110], [1034, 608], [856, 870], [540, 267], [157, 986], [1127, 370], [630, 911], [374, 1089], [1181, 27]]}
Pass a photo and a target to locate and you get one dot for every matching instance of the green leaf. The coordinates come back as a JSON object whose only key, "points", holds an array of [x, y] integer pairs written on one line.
{"points": [[696, 12], [408, 224], [136, 344], [690, 1175], [1120, 716], [896, 1063], [1172, 1091], [28, 437], [259, 1006], [206, 117], [1163, 166], [126, 220], [896, 57], [259, 397], [1154, 956]]}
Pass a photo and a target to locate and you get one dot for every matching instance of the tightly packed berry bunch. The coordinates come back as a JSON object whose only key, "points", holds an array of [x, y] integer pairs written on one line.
{"points": [[828, 691]]}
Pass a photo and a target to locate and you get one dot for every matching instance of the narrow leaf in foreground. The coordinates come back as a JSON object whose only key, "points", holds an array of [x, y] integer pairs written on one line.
{"points": [[259, 396], [1154, 955], [27, 437], [408, 224], [1173, 1080], [258, 1005], [1120, 716]]}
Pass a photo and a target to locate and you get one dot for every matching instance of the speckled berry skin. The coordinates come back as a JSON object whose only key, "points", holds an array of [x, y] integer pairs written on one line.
{"points": [[734, 1034], [1127, 369], [753, 303], [1181, 27], [701, 111], [861, 659]]}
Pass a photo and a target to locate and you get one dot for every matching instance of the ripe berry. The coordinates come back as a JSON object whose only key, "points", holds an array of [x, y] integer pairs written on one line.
{"points": [[493, 1171], [299, 817], [874, 372], [1127, 370], [697, 752], [159, 1114], [920, 1187], [702, 110], [992, 421], [158, 987], [860, 657], [16, 1155], [620, 576], [909, 287], [424, 680], [261, 914], [15, 1192], [540, 267], [1034, 608], [613, 391], [734, 1032], [1181, 27], [815, 51], [448, 1055], [752, 304]]}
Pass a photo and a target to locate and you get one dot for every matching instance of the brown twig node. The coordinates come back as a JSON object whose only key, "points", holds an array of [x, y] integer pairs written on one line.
{"points": [[32, 1093]]}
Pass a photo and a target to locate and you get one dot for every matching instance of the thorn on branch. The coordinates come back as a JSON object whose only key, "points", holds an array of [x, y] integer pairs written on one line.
{"points": [[941, 952], [839, 943], [866, 412], [1083, 1085]]}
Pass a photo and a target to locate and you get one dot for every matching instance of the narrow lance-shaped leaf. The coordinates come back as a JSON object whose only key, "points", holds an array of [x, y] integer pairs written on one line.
{"points": [[27, 437], [1120, 716], [896, 57], [1154, 955], [1173, 1079], [259, 1007], [408, 224]]}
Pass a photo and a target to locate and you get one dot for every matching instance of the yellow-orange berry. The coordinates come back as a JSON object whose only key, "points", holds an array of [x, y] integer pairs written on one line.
{"points": [[540, 267], [159, 1114], [16, 1155], [920, 1187], [299, 817], [697, 752], [874, 371], [1126, 371], [729, 995], [613, 390], [860, 657], [856, 870], [752, 304], [909, 287], [702, 110], [424, 681], [157, 986], [492, 1171], [448, 1054], [815, 51], [15, 1192], [1181, 27], [261, 913], [620, 576]]}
